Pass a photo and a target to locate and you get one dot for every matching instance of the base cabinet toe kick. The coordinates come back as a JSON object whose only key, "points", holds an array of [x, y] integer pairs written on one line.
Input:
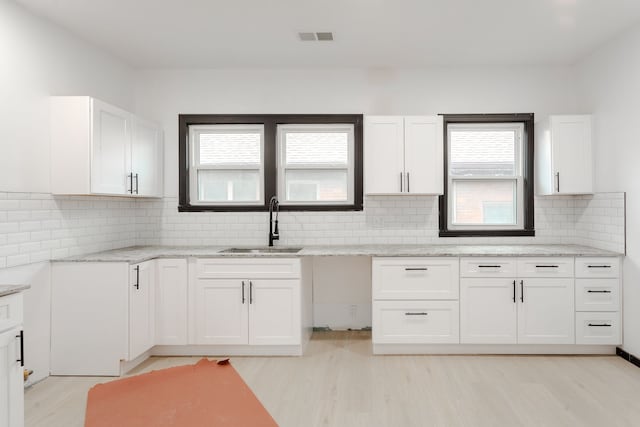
{"points": [[496, 305]]}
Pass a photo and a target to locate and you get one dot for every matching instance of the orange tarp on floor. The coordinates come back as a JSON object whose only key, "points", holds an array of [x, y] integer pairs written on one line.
{"points": [[204, 394]]}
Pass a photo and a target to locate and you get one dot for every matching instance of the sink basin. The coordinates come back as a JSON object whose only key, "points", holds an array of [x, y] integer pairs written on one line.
{"points": [[261, 251]]}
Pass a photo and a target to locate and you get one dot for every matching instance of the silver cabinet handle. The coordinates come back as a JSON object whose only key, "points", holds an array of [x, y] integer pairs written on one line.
{"points": [[416, 314], [557, 182], [136, 176], [408, 188], [401, 182]]}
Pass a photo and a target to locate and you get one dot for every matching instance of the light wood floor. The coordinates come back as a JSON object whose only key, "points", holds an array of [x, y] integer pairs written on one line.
{"points": [[339, 383]]}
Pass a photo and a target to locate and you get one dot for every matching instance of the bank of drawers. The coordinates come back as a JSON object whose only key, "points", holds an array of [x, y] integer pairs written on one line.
{"points": [[415, 300], [598, 317]]}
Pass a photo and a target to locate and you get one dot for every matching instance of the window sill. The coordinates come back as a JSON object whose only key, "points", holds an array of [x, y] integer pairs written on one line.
{"points": [[288, 208], [486, 233]]}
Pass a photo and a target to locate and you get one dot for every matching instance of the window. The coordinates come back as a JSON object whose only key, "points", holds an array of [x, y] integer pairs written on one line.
{"points": [[227, 164], [315, 164], [488, 175], [238, 162]]}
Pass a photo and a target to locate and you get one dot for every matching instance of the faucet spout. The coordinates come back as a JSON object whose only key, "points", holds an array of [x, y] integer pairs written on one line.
{"points": [[274, 234]]}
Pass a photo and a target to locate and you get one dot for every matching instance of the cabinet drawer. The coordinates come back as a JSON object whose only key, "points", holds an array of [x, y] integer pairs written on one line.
{"points": [[488, 267], [244, 268], [545, 267], [11, 309], [598, 328], [598, 267], [415, 278], [597, 295], [416, 322]]}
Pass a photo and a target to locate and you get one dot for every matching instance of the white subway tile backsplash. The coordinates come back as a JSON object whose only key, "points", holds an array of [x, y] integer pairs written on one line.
{"points": [[36, 226]]}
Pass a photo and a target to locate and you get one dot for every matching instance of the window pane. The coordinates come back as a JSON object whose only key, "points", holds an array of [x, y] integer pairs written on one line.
{"points": [[483, 152], [230, 148], [228, 186], [316, 186], [317, 148], [484, 202]]}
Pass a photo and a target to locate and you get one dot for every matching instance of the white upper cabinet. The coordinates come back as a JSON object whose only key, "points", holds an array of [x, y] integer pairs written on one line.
{"points": [[110, 149], [100, 149], [403, 155], [564, 159], [146, 158]]}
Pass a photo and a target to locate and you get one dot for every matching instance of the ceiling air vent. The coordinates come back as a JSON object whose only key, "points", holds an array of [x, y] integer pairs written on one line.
{"points": [[312, 37], [324, 36], [307, 37]]}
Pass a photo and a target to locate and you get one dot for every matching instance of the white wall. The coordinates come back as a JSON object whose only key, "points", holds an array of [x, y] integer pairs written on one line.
{"points": [[38, 60], [610, 84], [163, 94]]}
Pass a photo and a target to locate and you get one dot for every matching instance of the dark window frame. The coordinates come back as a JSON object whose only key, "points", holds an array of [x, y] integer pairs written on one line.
{"points": [[270, 123], [527, 174]]}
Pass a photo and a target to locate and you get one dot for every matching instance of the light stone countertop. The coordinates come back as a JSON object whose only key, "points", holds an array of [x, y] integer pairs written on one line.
{"points": [[12, 289], [136, 254]]}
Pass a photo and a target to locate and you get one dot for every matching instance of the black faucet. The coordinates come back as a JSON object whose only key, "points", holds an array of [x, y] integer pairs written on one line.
{"points": [[273, 231]]}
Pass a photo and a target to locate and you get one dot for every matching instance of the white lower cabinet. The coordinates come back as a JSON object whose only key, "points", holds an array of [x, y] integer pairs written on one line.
{"points": [[260, 309], [171, 301], [416, 322], [488, 311], [141, 308], [598, 328], [11, 358], [546, 311], [520, 310], [102, 314], [221, 312]]}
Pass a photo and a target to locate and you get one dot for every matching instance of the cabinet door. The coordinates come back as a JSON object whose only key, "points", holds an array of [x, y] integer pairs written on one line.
{"points": [[384, 155], [572, 158], [146, 158], [423, 159], [274, 313], [11, 382], [546, 311], [141, 308], [488, 311], [171, 302], [110, 149], [221, 311]]}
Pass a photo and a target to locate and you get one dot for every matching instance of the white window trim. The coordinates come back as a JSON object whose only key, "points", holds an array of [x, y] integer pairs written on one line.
{"points": [[195, 166], [281, 167], [518, 177]]}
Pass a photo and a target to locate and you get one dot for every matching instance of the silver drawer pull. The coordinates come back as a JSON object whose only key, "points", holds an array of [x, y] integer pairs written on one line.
{"points": [[606, 325], [489, 266], [416, 314], [598, 292], [416, 269], [547, 266], [599, 266]]}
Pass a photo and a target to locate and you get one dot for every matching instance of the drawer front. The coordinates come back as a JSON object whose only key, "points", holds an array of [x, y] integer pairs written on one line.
{"points": [[545, 267], [598, 267], [598, 328], [416, 322], [244, 268], [11, 309], [488, 267], [415, 278], [597, 294]]}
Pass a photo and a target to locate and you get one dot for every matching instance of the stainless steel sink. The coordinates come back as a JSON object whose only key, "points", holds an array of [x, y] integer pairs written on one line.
{"points": [[266, 250]]}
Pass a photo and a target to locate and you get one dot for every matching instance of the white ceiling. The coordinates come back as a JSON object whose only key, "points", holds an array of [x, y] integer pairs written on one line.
{"points": [[368, 33]]}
